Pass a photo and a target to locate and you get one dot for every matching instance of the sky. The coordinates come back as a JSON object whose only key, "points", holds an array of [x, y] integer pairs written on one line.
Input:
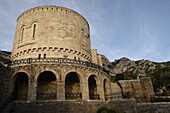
{"points": [[136, 29]]}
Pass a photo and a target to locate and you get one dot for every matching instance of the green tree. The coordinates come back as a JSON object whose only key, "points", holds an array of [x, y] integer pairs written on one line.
{"points": [[160, 77]]}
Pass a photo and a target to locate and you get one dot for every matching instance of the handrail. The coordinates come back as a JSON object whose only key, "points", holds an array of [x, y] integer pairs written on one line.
{"points": [[55, 61], [73, 95]]}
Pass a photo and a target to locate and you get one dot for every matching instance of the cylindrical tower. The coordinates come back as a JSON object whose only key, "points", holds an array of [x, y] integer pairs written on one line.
{"points": [[51, 32]]}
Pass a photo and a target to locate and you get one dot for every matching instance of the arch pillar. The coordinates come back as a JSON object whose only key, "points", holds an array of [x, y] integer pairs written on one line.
{"points": [[85, 90], [60, 90], [100, 90], [32, 89]]}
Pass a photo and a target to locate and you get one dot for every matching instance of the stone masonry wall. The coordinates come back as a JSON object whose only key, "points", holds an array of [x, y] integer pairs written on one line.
{"points": [[125, 106], [163, 107], [141, 89]]}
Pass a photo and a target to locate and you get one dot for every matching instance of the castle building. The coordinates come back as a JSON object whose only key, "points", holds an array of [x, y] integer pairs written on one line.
{"points": [[52, 68], [52, 58]]}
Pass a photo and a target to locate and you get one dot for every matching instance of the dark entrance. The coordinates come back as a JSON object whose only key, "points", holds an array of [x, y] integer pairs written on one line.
{"points": [[93, 94], [21, 86], [46, 86], [72, 86]]}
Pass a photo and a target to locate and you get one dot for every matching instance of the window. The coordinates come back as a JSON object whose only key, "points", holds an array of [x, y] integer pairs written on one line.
{"points": [[22, 34], [34, 27], [44, 55], [39, 56]]}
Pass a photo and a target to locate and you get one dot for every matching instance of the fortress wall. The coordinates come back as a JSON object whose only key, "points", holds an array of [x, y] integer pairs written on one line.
{"points": [[141, 89], [147, 87], [163, 107], [126, 106], [116, 91], [53, 31]]}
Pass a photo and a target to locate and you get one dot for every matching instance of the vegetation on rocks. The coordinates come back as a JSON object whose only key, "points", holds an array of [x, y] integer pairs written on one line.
{"points": [[161, 79]]}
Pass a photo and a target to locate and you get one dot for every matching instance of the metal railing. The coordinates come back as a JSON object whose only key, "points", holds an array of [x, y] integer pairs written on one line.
{"points": [[160, 99], [73, 95], [21, 96], [57, 61], [94, 96], [47, 96]]}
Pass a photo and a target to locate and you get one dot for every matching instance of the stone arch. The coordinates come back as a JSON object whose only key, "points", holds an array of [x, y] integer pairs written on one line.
{"points": [[79, 74], [46, 86], [73, 86], [21, 81], [50, 70], [93, 88]]}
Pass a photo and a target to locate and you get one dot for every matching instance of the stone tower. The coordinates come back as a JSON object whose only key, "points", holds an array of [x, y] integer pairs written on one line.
{"points": [[49, 31], [52, 58]]}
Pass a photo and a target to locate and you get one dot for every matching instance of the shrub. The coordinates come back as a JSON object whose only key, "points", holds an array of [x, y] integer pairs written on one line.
{"points": [[106, 110]]}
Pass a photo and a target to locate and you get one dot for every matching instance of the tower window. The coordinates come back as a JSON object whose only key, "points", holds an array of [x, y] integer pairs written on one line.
{"points": [[39, 56], [22, 35], [44, 55], [33, 35]]}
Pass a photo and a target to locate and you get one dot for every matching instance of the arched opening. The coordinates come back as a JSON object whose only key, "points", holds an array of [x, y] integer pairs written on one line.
{"points": [[46, 86], [72, 86], [21, 86], [105, 87], [93, 94]]}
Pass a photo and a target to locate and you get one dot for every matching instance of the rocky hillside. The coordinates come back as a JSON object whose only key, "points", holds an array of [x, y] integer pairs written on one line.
{"points": [[136, 67]]}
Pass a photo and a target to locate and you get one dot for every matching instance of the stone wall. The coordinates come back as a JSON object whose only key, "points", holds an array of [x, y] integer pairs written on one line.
{"points": [[125, 106], [116, 91], [4, 82], [163, 107], [141, 89]]}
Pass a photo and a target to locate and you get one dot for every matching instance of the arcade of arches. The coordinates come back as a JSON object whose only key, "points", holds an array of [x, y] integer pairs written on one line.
{"points": [[48, 86]]}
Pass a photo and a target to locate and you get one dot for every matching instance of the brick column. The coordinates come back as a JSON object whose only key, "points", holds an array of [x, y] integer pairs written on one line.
{"points": [[32, 89], [85, 90], [60, 90]]}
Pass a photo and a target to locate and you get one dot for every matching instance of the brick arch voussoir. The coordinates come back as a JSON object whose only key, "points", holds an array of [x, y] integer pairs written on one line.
{"points": [[43, 70], [79, 74], [14, 76]]}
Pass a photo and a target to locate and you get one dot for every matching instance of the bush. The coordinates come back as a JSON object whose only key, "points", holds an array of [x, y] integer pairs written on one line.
{"points": [[166, 93], [106, 110]]}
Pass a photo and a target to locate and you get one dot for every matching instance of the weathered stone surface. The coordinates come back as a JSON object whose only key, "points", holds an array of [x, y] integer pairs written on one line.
{"points": [[51, 31], [126, 106], [163, 107], [141, 89], [140, 67]]}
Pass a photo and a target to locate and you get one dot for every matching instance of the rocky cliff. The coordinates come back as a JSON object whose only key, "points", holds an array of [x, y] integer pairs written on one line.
{"points": [[140, 67]]}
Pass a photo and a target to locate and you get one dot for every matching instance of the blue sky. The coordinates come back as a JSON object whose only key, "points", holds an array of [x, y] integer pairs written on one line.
{"points": [[136, 29]]}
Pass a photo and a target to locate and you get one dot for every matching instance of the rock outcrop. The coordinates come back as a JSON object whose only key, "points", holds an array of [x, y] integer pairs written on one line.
{"points": [[140, 67]]}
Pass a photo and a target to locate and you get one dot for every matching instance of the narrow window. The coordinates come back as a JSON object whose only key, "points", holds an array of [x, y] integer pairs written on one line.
{"points": [[74, 58], [22, 34], [44, 55], [39, 56], [33, 35]]}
